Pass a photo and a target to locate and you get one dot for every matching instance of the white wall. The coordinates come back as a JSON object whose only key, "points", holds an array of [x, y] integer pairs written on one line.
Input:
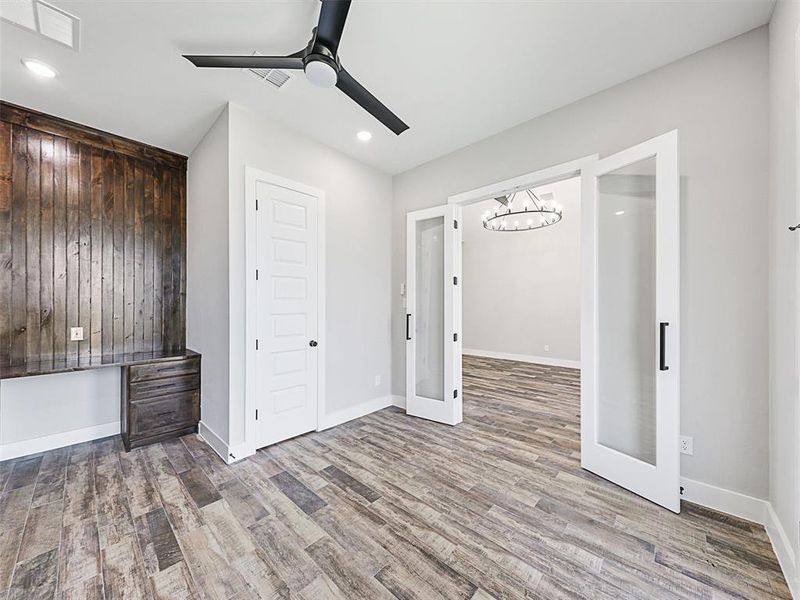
{"points": [[718, 100], [207, 328], [521, 291], [358, 200], [50, 411], [783, 271]]}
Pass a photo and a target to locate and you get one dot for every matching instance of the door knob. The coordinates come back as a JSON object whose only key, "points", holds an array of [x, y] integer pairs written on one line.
{"points": [[313, 343]]}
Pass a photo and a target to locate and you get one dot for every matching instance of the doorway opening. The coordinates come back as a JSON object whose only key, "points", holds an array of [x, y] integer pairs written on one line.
{"points": [[521, 295], [629, 320]]}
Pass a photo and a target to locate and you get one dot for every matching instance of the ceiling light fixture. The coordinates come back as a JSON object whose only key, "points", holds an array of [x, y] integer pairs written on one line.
{"points": [[39, 68], [364, 136], [619, 213], [321, 73], [530, 213]]}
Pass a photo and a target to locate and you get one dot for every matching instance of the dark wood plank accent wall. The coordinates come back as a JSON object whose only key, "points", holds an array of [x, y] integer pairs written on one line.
{"points": [[92, 235]]}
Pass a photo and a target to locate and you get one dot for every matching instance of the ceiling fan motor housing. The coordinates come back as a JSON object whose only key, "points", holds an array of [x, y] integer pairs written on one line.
{"points": [[321, 65]]}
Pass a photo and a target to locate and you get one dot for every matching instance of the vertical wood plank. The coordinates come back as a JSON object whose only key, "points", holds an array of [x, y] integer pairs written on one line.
{"points": [[107, 302], [60, 247], [129, 254], [119, 254], [175, 261], [138, 277], [73, 241], [166, 264], [32, 242], [46, 249], [6, 168], [158, 253], [19, 259], [97, 254], [147, 338], [85, 256], [182, 258]]}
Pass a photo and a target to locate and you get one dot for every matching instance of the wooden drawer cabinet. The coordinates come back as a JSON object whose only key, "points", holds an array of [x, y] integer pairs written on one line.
{"points": [[160, 400], [158, 370]]}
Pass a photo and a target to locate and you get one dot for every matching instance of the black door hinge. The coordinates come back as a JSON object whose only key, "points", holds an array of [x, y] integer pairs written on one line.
{"points": [[256, 344], [455, 337], [455, 280], [455, 393], [256, 414], [256, 274], [256, 203], [455, 224]]}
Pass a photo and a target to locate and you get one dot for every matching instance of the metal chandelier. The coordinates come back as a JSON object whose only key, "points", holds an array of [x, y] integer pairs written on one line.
{"points": [[522, 213]]}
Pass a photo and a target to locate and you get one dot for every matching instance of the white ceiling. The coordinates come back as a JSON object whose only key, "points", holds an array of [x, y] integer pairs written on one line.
{"points": [[456, 72]]}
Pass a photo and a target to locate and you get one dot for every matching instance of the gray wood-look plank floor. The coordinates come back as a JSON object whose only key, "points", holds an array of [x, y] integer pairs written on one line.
{"points": [[386, 506]]}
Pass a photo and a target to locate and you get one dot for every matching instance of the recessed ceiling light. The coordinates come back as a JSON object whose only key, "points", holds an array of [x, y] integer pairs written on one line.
{"points": [[364, 136], [619, 212], [39, 68]]}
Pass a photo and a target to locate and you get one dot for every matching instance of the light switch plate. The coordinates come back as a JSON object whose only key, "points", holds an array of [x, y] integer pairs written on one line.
{"points": [[76, 334]]}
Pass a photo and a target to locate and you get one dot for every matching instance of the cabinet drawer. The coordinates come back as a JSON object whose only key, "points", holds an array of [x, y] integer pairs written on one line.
{"points": [[168, 413], [164, 369], [153, 388]]}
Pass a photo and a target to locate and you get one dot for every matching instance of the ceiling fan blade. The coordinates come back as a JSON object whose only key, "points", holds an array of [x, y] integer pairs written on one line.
{"points": [[294, 61], [332, 16], [370, 103]]}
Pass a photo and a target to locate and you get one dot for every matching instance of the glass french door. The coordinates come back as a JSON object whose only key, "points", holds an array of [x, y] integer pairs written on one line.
{"points": [[433, 358], [630, 330]]}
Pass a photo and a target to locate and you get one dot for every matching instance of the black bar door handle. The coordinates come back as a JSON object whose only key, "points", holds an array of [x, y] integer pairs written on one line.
{"points": [[408, 330], [662, 344]]}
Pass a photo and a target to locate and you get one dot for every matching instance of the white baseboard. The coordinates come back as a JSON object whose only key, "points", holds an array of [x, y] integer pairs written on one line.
{"points": [[58, 440], [529, 358], [398, 401], [230, 454], [210, 437], [726, 501], [783, 550], [751, 509], [354, 412]]}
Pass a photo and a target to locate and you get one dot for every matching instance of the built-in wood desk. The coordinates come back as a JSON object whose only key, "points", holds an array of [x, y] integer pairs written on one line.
{"points": [[160, 395]]}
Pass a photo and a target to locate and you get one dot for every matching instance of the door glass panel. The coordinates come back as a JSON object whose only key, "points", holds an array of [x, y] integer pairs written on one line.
{"points": [[429, 320], [626, 269]]}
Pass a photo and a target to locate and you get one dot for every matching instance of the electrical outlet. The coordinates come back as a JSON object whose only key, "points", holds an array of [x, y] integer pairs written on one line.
{"points": [[687, 445], [377, 380], [76, 334], [547, 347]]}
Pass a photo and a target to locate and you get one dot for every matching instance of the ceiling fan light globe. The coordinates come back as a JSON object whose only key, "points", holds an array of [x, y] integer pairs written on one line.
{"points": [[321, 73]]}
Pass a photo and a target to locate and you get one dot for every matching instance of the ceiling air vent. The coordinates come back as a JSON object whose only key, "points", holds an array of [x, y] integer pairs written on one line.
{"points": [[275, 77], [44, 19]]}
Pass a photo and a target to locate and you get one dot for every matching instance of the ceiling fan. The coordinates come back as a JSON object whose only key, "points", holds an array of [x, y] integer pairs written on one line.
{"points": [[319, 60]]}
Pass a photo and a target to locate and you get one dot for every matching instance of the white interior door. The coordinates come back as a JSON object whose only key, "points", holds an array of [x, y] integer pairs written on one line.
{"points": [[287, 313], [432, 361], [630, 338]]}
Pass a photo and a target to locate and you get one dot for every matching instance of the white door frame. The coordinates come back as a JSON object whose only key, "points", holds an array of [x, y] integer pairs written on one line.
{"points": [[797, 288], [252, 176]]}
